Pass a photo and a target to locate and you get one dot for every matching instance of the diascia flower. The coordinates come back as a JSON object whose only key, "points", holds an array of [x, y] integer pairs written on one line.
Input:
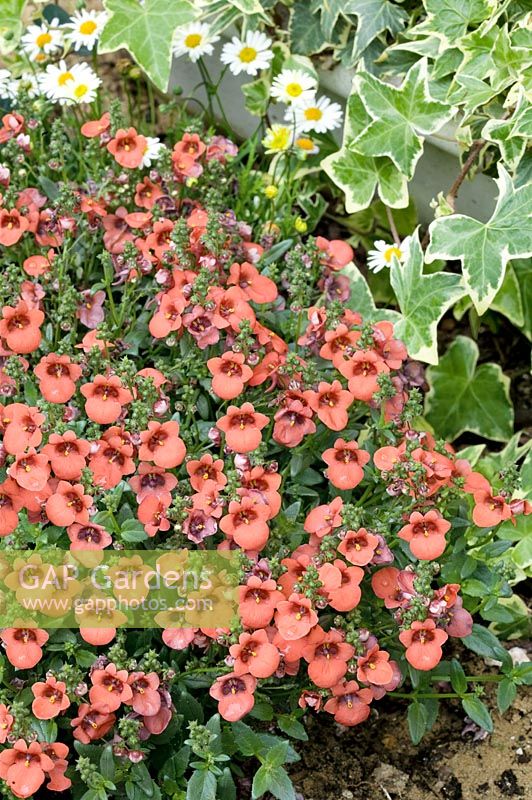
{"points": [[162, 445], [358, 547], [345, 461], [10, 505], [362, 370], [57, 377], [68, 504], [327, 655], [255, 654], [105, 397], [257, 601], [242, 427], [230, 373], [22, 427], [20, 327], [24, 646], [295, 617], [67, 455], [30, 470], [246, 524], [12, 226], [349, 703], [128, 148], [25, 767], [234, 694], [425, 534], [331, 403], [50, 698], [110, 688], [423, 643], [91, 723]]}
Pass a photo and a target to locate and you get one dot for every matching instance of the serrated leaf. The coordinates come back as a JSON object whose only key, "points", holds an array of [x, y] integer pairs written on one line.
{"points": [[417, 717], [275, 781], [361, 299], [423, 300], [201, 786], [485, 248], [464, 397], [450, 19], [374, 17], [478, 712], [145, 31], [400, 117]]}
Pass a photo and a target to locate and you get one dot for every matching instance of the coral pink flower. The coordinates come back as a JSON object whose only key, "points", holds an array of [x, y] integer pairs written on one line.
{"points": [[246, 523], [362, 370], [30, 470], [20, 327], [95, 127], [345, 461], [255, 654], [374, 667], [323, 519], [327, 655], [6, 722], [57, 752], [168, 318], [57, 377], [338, 343], [68, 504], [258, 600], [385, 458], [146, 699], [147, 193], [295, 617], [330, 403], [229, 374], [67, 455], [24, 768], [391, 350], [23, 646], [152, 480], [35, 266], [358, 547], [205, 470], [346, 596], [12, 226], [242, 427], [10, 505], [91, 723], [234, 694], [128, 148], [349, 704], [336, 253], [88, 537], [162, 445], [253, 285], [489, 510], [22, 427], [425, 534], [50, 698], [110, 688], [105, 397], [111, 462], [152, 513], [292, 423], [423, 643]]}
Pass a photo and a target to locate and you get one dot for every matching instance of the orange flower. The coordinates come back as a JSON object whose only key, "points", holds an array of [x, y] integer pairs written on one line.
{"points": [[24, 767], [257, 602], [20, 327], [295, 617], [322, 519], [168, 316], [330, 403], [327, 655], [6, 722], [349, 704], [231, 308], [50, 698], [57, 377], [253, 285], [205, 470], [152, 513], [246, 524], [111, 462], [30, 470], [362, 370], [68, 504], [105, 398], [425, 534], [128, 148], [146, 699], [229, 374], [35, 266], [374, 668], [91, 723], [88, 537], [423, 643], [10, 505], [292, 423], [242, 427], [347, 596], [57, 752], [22, 427], [12, 226], [262, 486], [255, 654], [336, 253], [152, 481], [345, 460], [147, 193], [110, 688], [67, 455], [95, 127], [23, 646], [337, 343], [162, 445], [358, 547], [234, 694]]}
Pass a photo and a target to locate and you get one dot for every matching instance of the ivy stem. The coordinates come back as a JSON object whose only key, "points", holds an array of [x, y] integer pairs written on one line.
{"points": [[393, 226], [468, 163]]}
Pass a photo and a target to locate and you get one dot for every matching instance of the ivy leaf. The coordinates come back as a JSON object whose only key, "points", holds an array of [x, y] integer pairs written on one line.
{"points": [[484, 248], [423, 300], [11, 23], [306, 36], [450, 19], [374, 17], [329, 12], [361, 299], [399, 117], [146, 32], [359, 176], [464, 397]]}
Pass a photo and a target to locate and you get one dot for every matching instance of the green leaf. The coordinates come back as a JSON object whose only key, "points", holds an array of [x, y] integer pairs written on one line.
{"points": [[417, 717], [485, 643], [226, 785], [458, 678], [305, 32], [423, 300], [201, 786], [464, 397], [523, 273], [450, 19], [292, 727], [374, 17], [330, 12], [107, 763], [400, 116], [361, 299], [274, 780], [257, 96], [10, 23], [506, 694], [485, 248], [478, 712], [360, 176], [247, 741], [146, 32]]}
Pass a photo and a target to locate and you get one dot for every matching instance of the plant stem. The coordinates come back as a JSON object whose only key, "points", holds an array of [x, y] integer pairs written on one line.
{"points": [[468, 163], [393, 226]]}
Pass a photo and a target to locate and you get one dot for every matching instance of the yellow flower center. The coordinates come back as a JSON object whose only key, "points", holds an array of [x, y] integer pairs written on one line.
{"points": [[193, 40], [390, 252], [81, 90], [313, 114], [304, 143], [294, 89], [247, 55], [64, 78], [87, 27], [43, 39]]}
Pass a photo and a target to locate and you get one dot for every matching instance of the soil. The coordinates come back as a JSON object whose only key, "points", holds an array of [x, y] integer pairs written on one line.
{"points": [[377, 761]]}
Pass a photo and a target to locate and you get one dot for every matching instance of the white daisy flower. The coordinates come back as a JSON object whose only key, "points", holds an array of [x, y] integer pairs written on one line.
{"points": [[248, 55], [53, 82], [153, 150], [84, 28], [318, 115], [293, 86], [381, 256], [194, 40], [5, 80], [41, 40], [278, 138], [28, 84], [83, 88]]}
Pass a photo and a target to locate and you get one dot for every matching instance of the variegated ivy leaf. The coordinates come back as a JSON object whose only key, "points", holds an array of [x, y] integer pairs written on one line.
{"points": [[360, 176], [361, 299], [511, 134], [11, 23], [399, 117], [306, 36], [374, 17], [464, 397], [423, 300], [450, 19], [329, 13], [146, 32], [484, 248]]}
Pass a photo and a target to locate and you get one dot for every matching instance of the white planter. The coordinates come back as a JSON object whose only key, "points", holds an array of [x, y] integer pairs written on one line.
{"points": [[436, 170]]}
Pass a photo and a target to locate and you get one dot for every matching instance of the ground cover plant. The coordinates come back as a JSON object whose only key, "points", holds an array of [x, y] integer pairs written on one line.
{"points": [[189, 362]]}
